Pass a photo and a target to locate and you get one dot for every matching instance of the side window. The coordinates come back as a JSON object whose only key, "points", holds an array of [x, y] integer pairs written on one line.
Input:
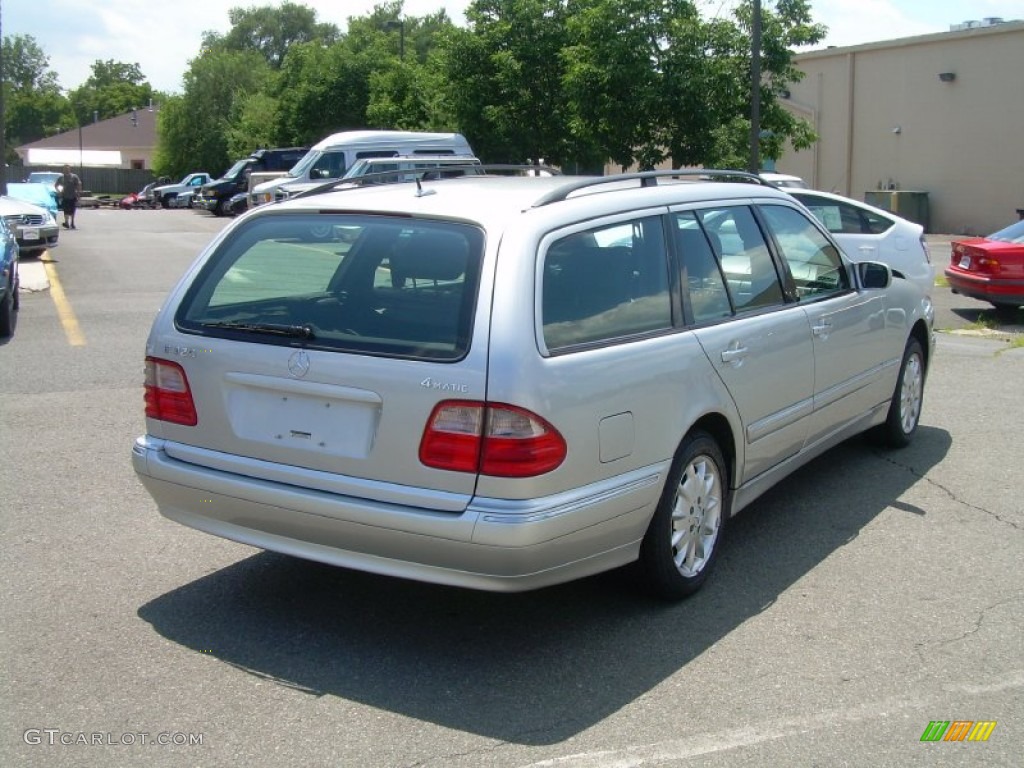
{"points": [[330, 165], [606, 283], [750, 274], [844, 218], [708, 298], [814, 263]]}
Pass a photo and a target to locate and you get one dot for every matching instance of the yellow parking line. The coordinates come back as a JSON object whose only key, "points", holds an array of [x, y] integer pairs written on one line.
{"points": [[67, 316]]}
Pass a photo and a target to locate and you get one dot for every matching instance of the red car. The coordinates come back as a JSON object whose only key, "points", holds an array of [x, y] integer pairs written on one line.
{"points": [[990, 268]]}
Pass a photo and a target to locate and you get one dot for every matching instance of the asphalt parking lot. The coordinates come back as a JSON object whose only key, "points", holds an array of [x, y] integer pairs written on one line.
{"points": [[863, 598]]}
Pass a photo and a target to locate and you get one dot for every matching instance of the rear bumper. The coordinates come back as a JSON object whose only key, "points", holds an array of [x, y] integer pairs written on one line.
{"points": [[985, 288], [497, 545]]}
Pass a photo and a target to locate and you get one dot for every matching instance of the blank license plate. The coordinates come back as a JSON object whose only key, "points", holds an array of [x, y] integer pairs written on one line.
{"points": [[965, 262], [30, 234]]}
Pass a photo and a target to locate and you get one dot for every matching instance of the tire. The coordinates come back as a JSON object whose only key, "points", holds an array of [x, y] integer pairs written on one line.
{"points": [[7, 313], [905, 407], [685, 534], [219, 208], [165, 201]]}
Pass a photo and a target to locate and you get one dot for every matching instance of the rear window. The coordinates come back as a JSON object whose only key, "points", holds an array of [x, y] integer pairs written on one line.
{"points": [[370, 284]]}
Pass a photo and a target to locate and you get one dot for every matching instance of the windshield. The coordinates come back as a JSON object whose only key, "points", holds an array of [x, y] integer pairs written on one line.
{"points": [[235, 169], [44, 177], [300, 168], [1011, 234]]}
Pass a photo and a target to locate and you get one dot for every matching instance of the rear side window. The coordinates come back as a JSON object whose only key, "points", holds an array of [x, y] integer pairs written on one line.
{"points": [[368, 284], [607, 283], [844, 218]]}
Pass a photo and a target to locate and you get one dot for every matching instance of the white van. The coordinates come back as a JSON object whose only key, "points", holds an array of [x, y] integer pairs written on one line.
{"points": [[332, 157]]}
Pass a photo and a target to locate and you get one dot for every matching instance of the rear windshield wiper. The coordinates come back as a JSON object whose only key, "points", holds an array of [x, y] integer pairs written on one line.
{"points": [[276, 329]]}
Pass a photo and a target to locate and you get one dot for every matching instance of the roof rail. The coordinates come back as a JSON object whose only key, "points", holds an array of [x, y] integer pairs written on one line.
{"points": [[648, 179], [427, 174]]}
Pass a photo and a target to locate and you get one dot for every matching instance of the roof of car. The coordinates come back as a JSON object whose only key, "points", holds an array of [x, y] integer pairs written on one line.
{"points": [[489, 198]]}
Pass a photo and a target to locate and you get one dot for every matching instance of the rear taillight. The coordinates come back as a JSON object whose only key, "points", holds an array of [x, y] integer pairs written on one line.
{"points": [[168, 397], [490, 438]]}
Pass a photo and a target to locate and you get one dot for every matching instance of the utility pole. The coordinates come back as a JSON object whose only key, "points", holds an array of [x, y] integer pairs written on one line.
{"points": [[3, 114], [755, 91], [400, 26]]}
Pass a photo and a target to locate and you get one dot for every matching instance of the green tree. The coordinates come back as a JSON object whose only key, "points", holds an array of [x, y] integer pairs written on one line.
{"points": [[113, 89], [34, 106], [193, 129], [504, 80], [271, 31], [321, 90]]}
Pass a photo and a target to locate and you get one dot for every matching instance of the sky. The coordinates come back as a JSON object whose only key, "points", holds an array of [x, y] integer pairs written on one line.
{"points": [[162, 35]]}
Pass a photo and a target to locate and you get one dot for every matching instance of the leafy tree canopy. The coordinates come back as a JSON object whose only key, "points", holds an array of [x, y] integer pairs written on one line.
{"points": [[271, 31], [112, 89]]}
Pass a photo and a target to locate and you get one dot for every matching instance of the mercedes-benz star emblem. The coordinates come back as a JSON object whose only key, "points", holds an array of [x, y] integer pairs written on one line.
{"points": [[298, 364]]}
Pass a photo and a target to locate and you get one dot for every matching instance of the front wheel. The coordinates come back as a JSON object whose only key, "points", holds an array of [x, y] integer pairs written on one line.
{"points": [[905, 406], [685, 534]]}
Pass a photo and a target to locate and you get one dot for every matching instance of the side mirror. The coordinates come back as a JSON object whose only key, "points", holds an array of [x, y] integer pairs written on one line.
{"points": [[874, 274]]}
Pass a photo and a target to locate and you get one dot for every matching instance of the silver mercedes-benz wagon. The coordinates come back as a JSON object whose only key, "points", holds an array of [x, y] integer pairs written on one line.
{"points": [[509, 382]]}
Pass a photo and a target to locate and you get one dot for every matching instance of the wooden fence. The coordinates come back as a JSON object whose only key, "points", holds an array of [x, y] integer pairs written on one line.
{"points": [[100, 181]]}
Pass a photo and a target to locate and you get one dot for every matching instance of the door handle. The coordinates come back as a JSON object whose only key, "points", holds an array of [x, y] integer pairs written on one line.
{"points": [[822, 329], [734, 354]]}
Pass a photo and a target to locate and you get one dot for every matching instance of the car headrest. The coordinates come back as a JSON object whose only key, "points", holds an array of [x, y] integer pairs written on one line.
{"points": [[430, 256]]}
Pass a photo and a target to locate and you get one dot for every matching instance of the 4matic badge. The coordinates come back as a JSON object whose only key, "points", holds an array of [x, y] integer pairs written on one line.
{"points": [[444, 386]]}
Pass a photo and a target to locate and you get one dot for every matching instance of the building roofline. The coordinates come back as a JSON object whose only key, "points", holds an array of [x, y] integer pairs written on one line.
{"points": [[1015, 25]]}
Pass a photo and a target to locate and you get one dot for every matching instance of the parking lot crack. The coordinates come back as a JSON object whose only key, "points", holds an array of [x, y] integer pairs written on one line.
{"points": [[974, 628], [995, 515]]}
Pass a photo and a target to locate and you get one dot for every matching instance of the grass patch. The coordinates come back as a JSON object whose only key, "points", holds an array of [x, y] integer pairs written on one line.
{"points": [[941, 281], [983, 323]]}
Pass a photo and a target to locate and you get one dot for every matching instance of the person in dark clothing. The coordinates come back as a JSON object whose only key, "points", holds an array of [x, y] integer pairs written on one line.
{"points": [[70, 191]]}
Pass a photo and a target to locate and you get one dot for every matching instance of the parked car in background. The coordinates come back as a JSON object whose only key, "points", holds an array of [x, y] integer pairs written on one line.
{"points": [[215, 195], [9, 281], [784, 180], [389, 170], [40, 194], [34, 227], [868, 233], [990, 268], [189, 185], [509, 382], [333, 157]]}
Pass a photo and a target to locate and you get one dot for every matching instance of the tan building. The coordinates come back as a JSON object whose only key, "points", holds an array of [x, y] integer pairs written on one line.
{"points": [[941, 114], [125, 141]]}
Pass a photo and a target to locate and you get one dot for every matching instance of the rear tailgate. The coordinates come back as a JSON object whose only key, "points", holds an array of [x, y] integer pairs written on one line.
{"points": [[316, 347]]}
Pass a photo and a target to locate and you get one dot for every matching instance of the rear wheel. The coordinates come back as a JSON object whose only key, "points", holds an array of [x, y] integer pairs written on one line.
{"points": [[685, 534], [905, 406]]}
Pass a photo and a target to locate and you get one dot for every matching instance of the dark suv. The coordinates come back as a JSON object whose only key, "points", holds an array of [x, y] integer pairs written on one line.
{"points": [[215, 195]]}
